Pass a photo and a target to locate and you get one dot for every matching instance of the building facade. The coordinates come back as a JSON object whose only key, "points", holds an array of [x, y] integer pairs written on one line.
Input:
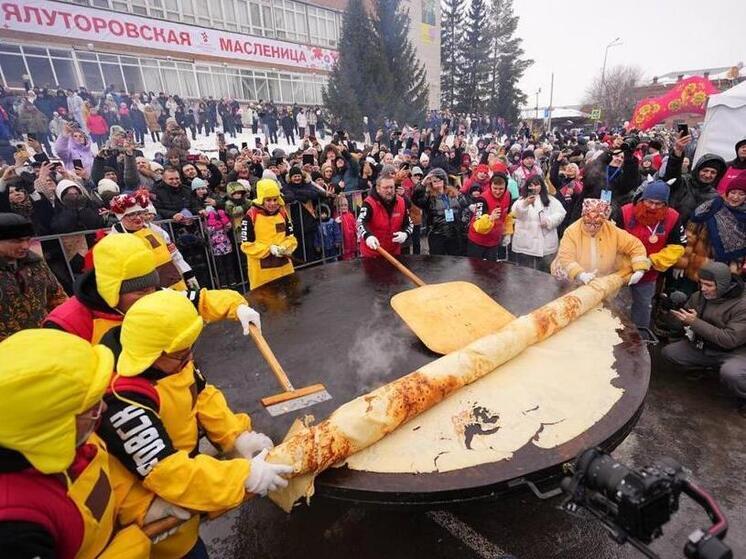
{"points": [[279, 50]]}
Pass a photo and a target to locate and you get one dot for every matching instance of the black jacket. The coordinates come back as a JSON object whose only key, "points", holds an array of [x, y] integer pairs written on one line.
{"points": [[170, 201]]}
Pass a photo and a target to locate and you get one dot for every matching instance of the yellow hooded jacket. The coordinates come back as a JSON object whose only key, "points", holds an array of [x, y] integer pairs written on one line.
{"points": [[47, 377], [153, 419], [260, 230]]}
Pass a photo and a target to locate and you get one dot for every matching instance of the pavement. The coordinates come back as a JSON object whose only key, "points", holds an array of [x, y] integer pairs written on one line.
{"points": [[686, 417]]}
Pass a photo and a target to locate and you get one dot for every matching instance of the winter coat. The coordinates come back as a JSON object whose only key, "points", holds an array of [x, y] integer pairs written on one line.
{"points": [[138, 118], [97, 125], [30, 291], [170, 201], [31, 120], [435, 208], [687, 192], [68, 150], [721, 322], [529, 237], [151, 119]]}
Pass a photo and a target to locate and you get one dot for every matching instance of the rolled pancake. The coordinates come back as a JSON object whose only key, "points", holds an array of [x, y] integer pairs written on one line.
{"points": [[367, 419], [549, 394]]}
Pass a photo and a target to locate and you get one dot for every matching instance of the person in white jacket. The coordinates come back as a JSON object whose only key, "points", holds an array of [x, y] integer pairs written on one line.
{"points": [[537, 216], [302, 123]]}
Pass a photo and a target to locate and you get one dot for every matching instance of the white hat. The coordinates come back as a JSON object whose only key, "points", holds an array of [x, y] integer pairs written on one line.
{"points": [[107, 185], [156, 167], [63, 185]]}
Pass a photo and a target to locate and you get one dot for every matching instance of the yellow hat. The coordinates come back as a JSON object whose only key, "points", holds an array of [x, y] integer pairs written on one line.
{"points": [[123, 262], [47, 377], [267, 188], [161, 322]]}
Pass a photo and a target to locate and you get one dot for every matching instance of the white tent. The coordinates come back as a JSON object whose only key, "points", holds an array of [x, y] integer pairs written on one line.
{"points": [[725, 123]]}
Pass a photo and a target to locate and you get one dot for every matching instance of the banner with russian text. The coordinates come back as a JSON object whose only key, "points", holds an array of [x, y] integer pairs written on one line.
{"points": [[687, 96], [90, 24]]}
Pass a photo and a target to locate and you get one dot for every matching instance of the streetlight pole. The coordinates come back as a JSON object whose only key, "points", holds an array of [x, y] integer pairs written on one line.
{"points": [[615, 43], [537, 103]]}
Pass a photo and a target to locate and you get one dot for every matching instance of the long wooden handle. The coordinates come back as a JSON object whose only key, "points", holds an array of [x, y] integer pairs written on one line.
{"points": [[162, 525], [401, 267], [269, 357]]}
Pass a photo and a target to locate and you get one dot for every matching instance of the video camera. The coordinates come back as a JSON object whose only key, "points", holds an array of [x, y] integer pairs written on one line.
{"points": [[634, 505], [675, 301]]}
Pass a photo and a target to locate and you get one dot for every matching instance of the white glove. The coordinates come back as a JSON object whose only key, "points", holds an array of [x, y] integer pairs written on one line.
{"points": [[372, 243], [635, 277], [161, 509], [276, 250], [586, 277], [192, 283], [246, 315], [678, 273], [400, 237], [265, 477], [250, 443], [506, 240]]}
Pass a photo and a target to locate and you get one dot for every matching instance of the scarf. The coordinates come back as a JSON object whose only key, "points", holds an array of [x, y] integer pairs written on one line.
{"points": [[726, 226]]}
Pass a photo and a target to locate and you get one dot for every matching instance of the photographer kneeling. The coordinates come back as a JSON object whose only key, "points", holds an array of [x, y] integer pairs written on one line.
{"points": [[715, 320]]}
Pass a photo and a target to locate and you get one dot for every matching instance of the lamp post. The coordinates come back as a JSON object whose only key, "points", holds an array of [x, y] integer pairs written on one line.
{"points": [[615, 43], [537, 103]]}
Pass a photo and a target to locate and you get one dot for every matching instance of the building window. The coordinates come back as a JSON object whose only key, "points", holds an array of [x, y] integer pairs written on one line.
{"points": [[322, 26], [290, 20]]}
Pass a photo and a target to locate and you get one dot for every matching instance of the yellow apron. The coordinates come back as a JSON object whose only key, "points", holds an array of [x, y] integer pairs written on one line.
{"points": [[101, 326], [263, 266], [93, 496], [169, 274]]}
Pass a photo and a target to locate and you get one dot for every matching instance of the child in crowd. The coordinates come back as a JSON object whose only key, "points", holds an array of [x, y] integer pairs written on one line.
{"points": [[218, 225], [348, 228], [328, 235]]}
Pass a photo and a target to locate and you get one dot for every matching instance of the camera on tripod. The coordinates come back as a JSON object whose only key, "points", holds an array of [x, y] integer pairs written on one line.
{"points": [[634, 505]]}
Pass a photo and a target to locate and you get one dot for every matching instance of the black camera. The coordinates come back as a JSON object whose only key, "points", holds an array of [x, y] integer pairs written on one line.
{"points": [[674, 301], [634, 505]]}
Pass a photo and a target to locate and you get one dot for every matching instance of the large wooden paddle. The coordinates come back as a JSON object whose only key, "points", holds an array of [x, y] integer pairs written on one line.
{"points": [[446, 316]]}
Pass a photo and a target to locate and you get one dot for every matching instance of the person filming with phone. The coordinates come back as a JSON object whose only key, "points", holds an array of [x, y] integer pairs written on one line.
{"points": [[714, 319]]}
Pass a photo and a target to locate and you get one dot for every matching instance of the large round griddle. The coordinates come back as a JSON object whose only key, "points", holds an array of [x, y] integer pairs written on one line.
{"points": [[333, 324]]}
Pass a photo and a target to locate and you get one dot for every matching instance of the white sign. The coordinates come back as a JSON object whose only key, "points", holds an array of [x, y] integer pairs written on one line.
{"points": [[90, 24]]}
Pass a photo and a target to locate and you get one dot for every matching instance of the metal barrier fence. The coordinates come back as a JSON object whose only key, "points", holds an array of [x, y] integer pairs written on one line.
{"points": [[65, 253]]}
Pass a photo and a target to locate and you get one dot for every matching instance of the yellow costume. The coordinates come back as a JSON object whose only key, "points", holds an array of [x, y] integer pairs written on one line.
{"points": [[260, 231], [47, 378], [153, 418], [603, 253]]}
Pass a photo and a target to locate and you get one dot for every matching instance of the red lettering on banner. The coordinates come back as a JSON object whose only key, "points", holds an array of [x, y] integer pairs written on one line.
{"points": [[143, 29], [116, 27], [50, 17], [225, 44], [302, 57], [66, 18], [237, 47], [266, 51], [131, 30], [247, 48], [158, 34], [11, 10], [99, 24], [186, 38], [27, 14], [84, 19], [275, 52], [172, 37]]}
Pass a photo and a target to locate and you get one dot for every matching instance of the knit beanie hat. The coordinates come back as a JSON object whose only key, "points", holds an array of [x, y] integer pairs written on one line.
{"points": [[527, 153], [107, 185], [295, 171], [739, 144], [417, 171], [14, 226], [437, 173], [656, 190], [739, 183], [718, 272], [198, 183], [482, 168]]}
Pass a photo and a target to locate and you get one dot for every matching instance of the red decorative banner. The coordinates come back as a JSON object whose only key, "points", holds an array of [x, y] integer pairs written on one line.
{"points": [[687, 96]]}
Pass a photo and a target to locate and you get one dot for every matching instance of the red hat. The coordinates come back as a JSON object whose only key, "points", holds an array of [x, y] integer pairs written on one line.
{"points": [[482, 168], [739, 183], [499, 168]]}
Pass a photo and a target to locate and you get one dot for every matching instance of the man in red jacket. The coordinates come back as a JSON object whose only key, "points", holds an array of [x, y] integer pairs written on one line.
{"points": [[384, 219], [660, 230]]}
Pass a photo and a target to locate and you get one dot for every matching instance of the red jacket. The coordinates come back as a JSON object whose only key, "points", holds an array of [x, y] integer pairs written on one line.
{"points": [[97, 125], [484, 205], [631, 225], [383, 225]]}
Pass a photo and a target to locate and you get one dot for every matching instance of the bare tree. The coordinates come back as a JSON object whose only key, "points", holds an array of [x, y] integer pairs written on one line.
{"points": [[614, 93]]}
